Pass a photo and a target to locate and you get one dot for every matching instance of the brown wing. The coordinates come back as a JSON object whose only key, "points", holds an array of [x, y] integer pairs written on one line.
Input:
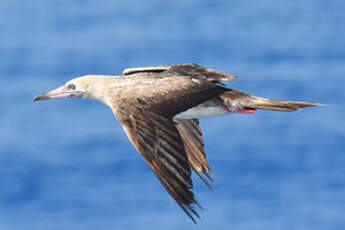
{"points": [[191, 135], [159, 142], [157, 69], [165, 95], [187, 69], [194, 70]]}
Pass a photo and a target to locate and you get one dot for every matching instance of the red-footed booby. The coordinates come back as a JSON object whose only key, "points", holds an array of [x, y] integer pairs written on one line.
{"points": [[159, 108]]}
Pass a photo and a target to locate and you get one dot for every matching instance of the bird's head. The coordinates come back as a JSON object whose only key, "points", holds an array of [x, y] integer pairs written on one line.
{"points": [[89, 86]]}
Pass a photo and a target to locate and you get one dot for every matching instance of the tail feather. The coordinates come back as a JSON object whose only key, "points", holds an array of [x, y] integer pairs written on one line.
{"points": [[278, 105], [238, 100]]}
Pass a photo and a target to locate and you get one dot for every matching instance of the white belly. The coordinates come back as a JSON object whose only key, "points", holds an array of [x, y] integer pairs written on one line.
{"points": [[198, 111]]}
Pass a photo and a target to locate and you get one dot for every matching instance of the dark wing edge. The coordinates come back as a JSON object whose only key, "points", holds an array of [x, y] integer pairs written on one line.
{"points": [[159, 142], [156, 69], [186, 69], [191, 135], [198, 71]]}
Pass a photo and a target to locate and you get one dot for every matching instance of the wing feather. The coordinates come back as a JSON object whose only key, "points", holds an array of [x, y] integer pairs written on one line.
{"points": [[186, 69], [191, 135], [158, 69], [159, 142], [146, 106]]}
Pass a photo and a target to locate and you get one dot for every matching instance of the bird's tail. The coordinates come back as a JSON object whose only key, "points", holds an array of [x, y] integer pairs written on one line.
{"points": [[278, 105], [243, 102]]}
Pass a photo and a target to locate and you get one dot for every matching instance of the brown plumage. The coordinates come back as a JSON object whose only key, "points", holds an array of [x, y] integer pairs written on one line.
{"points": [[245, 100], [159, 109], [191, 135]]}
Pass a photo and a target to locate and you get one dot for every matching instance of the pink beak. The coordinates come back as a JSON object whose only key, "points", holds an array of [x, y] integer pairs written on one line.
{"points": [[60, 92]]}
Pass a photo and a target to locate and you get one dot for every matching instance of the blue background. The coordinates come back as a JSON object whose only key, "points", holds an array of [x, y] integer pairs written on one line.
{"points": [[67, 164]]}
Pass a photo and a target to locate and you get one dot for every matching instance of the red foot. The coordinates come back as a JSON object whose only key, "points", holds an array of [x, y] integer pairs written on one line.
{"points": [[245, 110]]}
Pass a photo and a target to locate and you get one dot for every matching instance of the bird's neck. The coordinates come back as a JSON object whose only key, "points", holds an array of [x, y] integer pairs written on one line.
{"points": [[103, 88]]}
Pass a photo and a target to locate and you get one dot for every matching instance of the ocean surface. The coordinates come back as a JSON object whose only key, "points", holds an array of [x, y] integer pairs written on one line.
{"points": [[67, 164]]}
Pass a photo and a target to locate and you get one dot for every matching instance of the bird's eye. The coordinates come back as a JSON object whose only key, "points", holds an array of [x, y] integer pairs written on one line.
{"points": [[71, 86]]}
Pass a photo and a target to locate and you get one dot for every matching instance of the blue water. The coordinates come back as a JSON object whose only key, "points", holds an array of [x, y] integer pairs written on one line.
{"points": [[67, 164]]}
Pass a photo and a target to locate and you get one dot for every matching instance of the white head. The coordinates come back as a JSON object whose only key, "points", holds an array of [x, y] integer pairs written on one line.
{"points": [[89, 86]]}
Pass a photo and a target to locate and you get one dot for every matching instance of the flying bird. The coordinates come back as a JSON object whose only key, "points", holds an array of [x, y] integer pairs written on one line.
{"points": [[159, 108]]}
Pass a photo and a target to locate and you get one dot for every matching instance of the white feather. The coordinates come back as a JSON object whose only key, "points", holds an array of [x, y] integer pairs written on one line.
{"points": [[197, 112]]}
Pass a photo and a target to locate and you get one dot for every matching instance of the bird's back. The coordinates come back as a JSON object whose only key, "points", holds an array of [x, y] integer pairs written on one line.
{"points": [[164, 93]]}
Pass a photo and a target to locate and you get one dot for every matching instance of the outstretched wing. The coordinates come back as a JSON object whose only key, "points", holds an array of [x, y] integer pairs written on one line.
{"points": [[187, 69], [146, 107], [159, 142], [191, 135]]}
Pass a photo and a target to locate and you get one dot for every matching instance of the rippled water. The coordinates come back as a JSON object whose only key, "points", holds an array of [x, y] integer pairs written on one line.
{"points": [[67, 164]]}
